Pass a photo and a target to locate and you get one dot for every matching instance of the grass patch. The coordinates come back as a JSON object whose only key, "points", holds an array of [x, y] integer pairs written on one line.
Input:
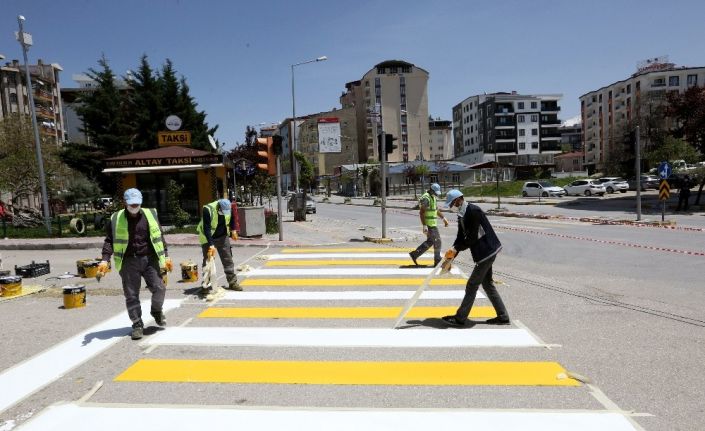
{"points": [[508, 188]]}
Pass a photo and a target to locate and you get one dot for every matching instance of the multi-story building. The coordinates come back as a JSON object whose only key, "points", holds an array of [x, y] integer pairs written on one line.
{"points": [[392, 96], [440, 140], [611, 111], [466, 134], [571, 137], [14, 96], [324, 163], [519, 129]]}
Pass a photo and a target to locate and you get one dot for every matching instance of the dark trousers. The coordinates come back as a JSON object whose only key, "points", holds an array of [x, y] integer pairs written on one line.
{"points": [[133, 270], [222, 244], [433, 238], [481, 275], [683, 198]]}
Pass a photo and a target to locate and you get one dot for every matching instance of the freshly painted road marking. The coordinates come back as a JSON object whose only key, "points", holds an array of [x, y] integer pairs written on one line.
{"points": [[350, 262], [343, 337], [438, 373], [343, 295], [342, 272], [26, 378], [351, 282], [336, 312], [115, 417], [347, 250], [346, 255]]}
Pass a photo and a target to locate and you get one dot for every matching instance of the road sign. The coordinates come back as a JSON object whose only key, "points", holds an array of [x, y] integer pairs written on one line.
{"points": [[664, 190], [664, 170], [173, 122], [181, 137]]}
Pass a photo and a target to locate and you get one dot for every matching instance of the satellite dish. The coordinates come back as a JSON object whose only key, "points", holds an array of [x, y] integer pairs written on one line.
{"points": [[212, 141]]}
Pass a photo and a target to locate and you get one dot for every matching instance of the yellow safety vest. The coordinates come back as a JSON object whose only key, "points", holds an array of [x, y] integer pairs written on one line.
{"points": [[213, 210], [121, 236], [431, 213]]}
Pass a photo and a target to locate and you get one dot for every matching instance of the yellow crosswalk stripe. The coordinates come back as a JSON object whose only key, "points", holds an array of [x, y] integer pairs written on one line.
{"points": [[358, 262], [350, 282], [336, 312], [478, 373], [346, 250]]}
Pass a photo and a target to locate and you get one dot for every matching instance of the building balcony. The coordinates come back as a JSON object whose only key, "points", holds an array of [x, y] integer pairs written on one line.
{"points": [[550, 123], [550, 108], [43, 95], [550, 133], [550, 146]]}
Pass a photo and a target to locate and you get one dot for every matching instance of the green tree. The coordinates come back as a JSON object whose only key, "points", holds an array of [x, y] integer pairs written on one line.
{"points": [[411, 174], [146, 105], [306, 178], [173, 204], [671, 149]]}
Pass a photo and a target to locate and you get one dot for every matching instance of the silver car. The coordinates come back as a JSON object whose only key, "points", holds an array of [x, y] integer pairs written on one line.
{"points": [[614, 184], [541, 189], [585, 187]]}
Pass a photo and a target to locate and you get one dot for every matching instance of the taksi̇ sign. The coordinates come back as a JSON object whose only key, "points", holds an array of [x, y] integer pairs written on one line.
{"points": [[180, 137]]}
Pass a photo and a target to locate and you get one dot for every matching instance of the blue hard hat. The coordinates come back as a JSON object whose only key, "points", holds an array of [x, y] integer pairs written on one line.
{"points": [[436, 189], [133, 197], [224, 206], [453, 195]]}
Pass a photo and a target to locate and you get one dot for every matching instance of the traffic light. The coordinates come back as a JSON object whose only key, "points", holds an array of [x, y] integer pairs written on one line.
{"points": [[267, 160], [389, 143]]}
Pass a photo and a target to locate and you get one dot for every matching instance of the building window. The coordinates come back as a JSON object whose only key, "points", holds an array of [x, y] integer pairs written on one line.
{"points": [[472, 141], [392, 70], [522, 146], [520, 105], [534, 105], [673, 81], [534, 118], [380, 70], [659, 82], [692, 80], [534, 132], [406, 69], [522, 132], [455, 178], [13, 98], [534, 145], [629, 88], [520, 118]]}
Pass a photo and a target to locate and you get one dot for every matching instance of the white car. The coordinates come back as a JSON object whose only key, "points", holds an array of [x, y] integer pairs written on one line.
{"points": [[614, 184], [585, 187], [541, 189]]}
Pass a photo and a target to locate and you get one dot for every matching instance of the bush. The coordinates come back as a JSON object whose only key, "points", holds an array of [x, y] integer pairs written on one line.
{"points": [[271, 221]]}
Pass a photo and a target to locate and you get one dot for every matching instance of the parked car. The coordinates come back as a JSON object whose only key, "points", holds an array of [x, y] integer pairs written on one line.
{"points": [[647, 182], [585, 187], [614, 184], [541, 188], [310, 204]]}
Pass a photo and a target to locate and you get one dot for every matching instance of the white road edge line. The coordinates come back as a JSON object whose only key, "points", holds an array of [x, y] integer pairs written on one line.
{"points": [[608, 404]]}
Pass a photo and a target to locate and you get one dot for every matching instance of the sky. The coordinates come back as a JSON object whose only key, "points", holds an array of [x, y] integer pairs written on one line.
{"points": [[236, 55]]}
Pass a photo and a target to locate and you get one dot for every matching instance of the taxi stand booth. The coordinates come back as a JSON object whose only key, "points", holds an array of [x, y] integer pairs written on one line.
{"points": [[203, 176]]}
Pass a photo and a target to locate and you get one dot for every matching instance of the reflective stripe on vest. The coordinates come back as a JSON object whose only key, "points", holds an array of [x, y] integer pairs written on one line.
{"points": [[431, 213], [121, 236], [213, 210]]}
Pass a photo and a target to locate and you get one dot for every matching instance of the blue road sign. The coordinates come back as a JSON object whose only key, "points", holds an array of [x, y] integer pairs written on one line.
{"points": [[664, 170]]}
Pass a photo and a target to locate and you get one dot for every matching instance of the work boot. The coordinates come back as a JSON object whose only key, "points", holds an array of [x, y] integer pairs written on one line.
{"points": [[234, 285], [205, 291], [159, 317], [137, 331], [498, 321], [413, 257]]}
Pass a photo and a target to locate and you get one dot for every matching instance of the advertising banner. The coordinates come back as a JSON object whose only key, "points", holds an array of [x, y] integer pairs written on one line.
{"points": [[329, 135]]}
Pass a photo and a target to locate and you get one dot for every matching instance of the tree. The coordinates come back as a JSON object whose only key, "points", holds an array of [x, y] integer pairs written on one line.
{"points": [[365, 172], [688, 110], [146, 103], [671, 149], [422, 171], [443, 170], [306, 178], [173, 198]]}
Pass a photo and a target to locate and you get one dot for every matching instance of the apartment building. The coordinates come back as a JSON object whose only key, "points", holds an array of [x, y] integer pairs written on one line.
{"points": [[611, 111], [14, 96], [519, 129], [440, 140], [466, 134], [392, 96], [326, 156]]}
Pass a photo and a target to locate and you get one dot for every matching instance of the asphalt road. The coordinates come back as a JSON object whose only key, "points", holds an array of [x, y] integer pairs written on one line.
{"points": [[620, 305]]}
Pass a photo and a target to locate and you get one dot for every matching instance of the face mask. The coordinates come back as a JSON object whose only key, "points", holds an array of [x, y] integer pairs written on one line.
{"points": [[463, 207], [133, 210]]}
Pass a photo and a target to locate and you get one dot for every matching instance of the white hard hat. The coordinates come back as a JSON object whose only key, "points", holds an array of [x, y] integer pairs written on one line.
{"points": [[453, 195]]}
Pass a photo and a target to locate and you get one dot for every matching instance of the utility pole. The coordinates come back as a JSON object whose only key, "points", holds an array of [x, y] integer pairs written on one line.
{"points": [[638, 174], [383, 165], [25, 39], [496, 171]]}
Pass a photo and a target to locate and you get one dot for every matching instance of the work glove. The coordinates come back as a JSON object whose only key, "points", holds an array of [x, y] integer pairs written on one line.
{"points": [[168, 264], [448, 260], [425, 229], [102, 270], [211, 251], [233, 236], [445, 221], [451, 253]]}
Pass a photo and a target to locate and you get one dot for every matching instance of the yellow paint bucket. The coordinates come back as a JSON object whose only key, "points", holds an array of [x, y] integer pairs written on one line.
{"points": [[10, 285], [189, 271], [90, 268], [80, 267], [75, 296]]}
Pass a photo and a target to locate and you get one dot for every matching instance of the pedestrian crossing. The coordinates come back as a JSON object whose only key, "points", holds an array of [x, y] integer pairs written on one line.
{"points": [[310, 293]]}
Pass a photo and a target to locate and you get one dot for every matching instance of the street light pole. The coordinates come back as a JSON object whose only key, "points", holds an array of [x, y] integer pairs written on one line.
{"points": [[295, 164], [25, 39]]}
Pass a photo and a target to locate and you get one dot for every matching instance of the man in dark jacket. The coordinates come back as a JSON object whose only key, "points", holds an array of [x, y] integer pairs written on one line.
{"points": [[684, 194], [475, 232]]}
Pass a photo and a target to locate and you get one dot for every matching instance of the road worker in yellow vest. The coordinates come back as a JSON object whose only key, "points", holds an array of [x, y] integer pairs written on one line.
{"points": [[215, 230], [134, 239], [429, 214]]}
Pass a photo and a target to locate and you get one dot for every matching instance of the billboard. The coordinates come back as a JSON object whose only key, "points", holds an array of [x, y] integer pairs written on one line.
{"points": [[329, 135]]}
